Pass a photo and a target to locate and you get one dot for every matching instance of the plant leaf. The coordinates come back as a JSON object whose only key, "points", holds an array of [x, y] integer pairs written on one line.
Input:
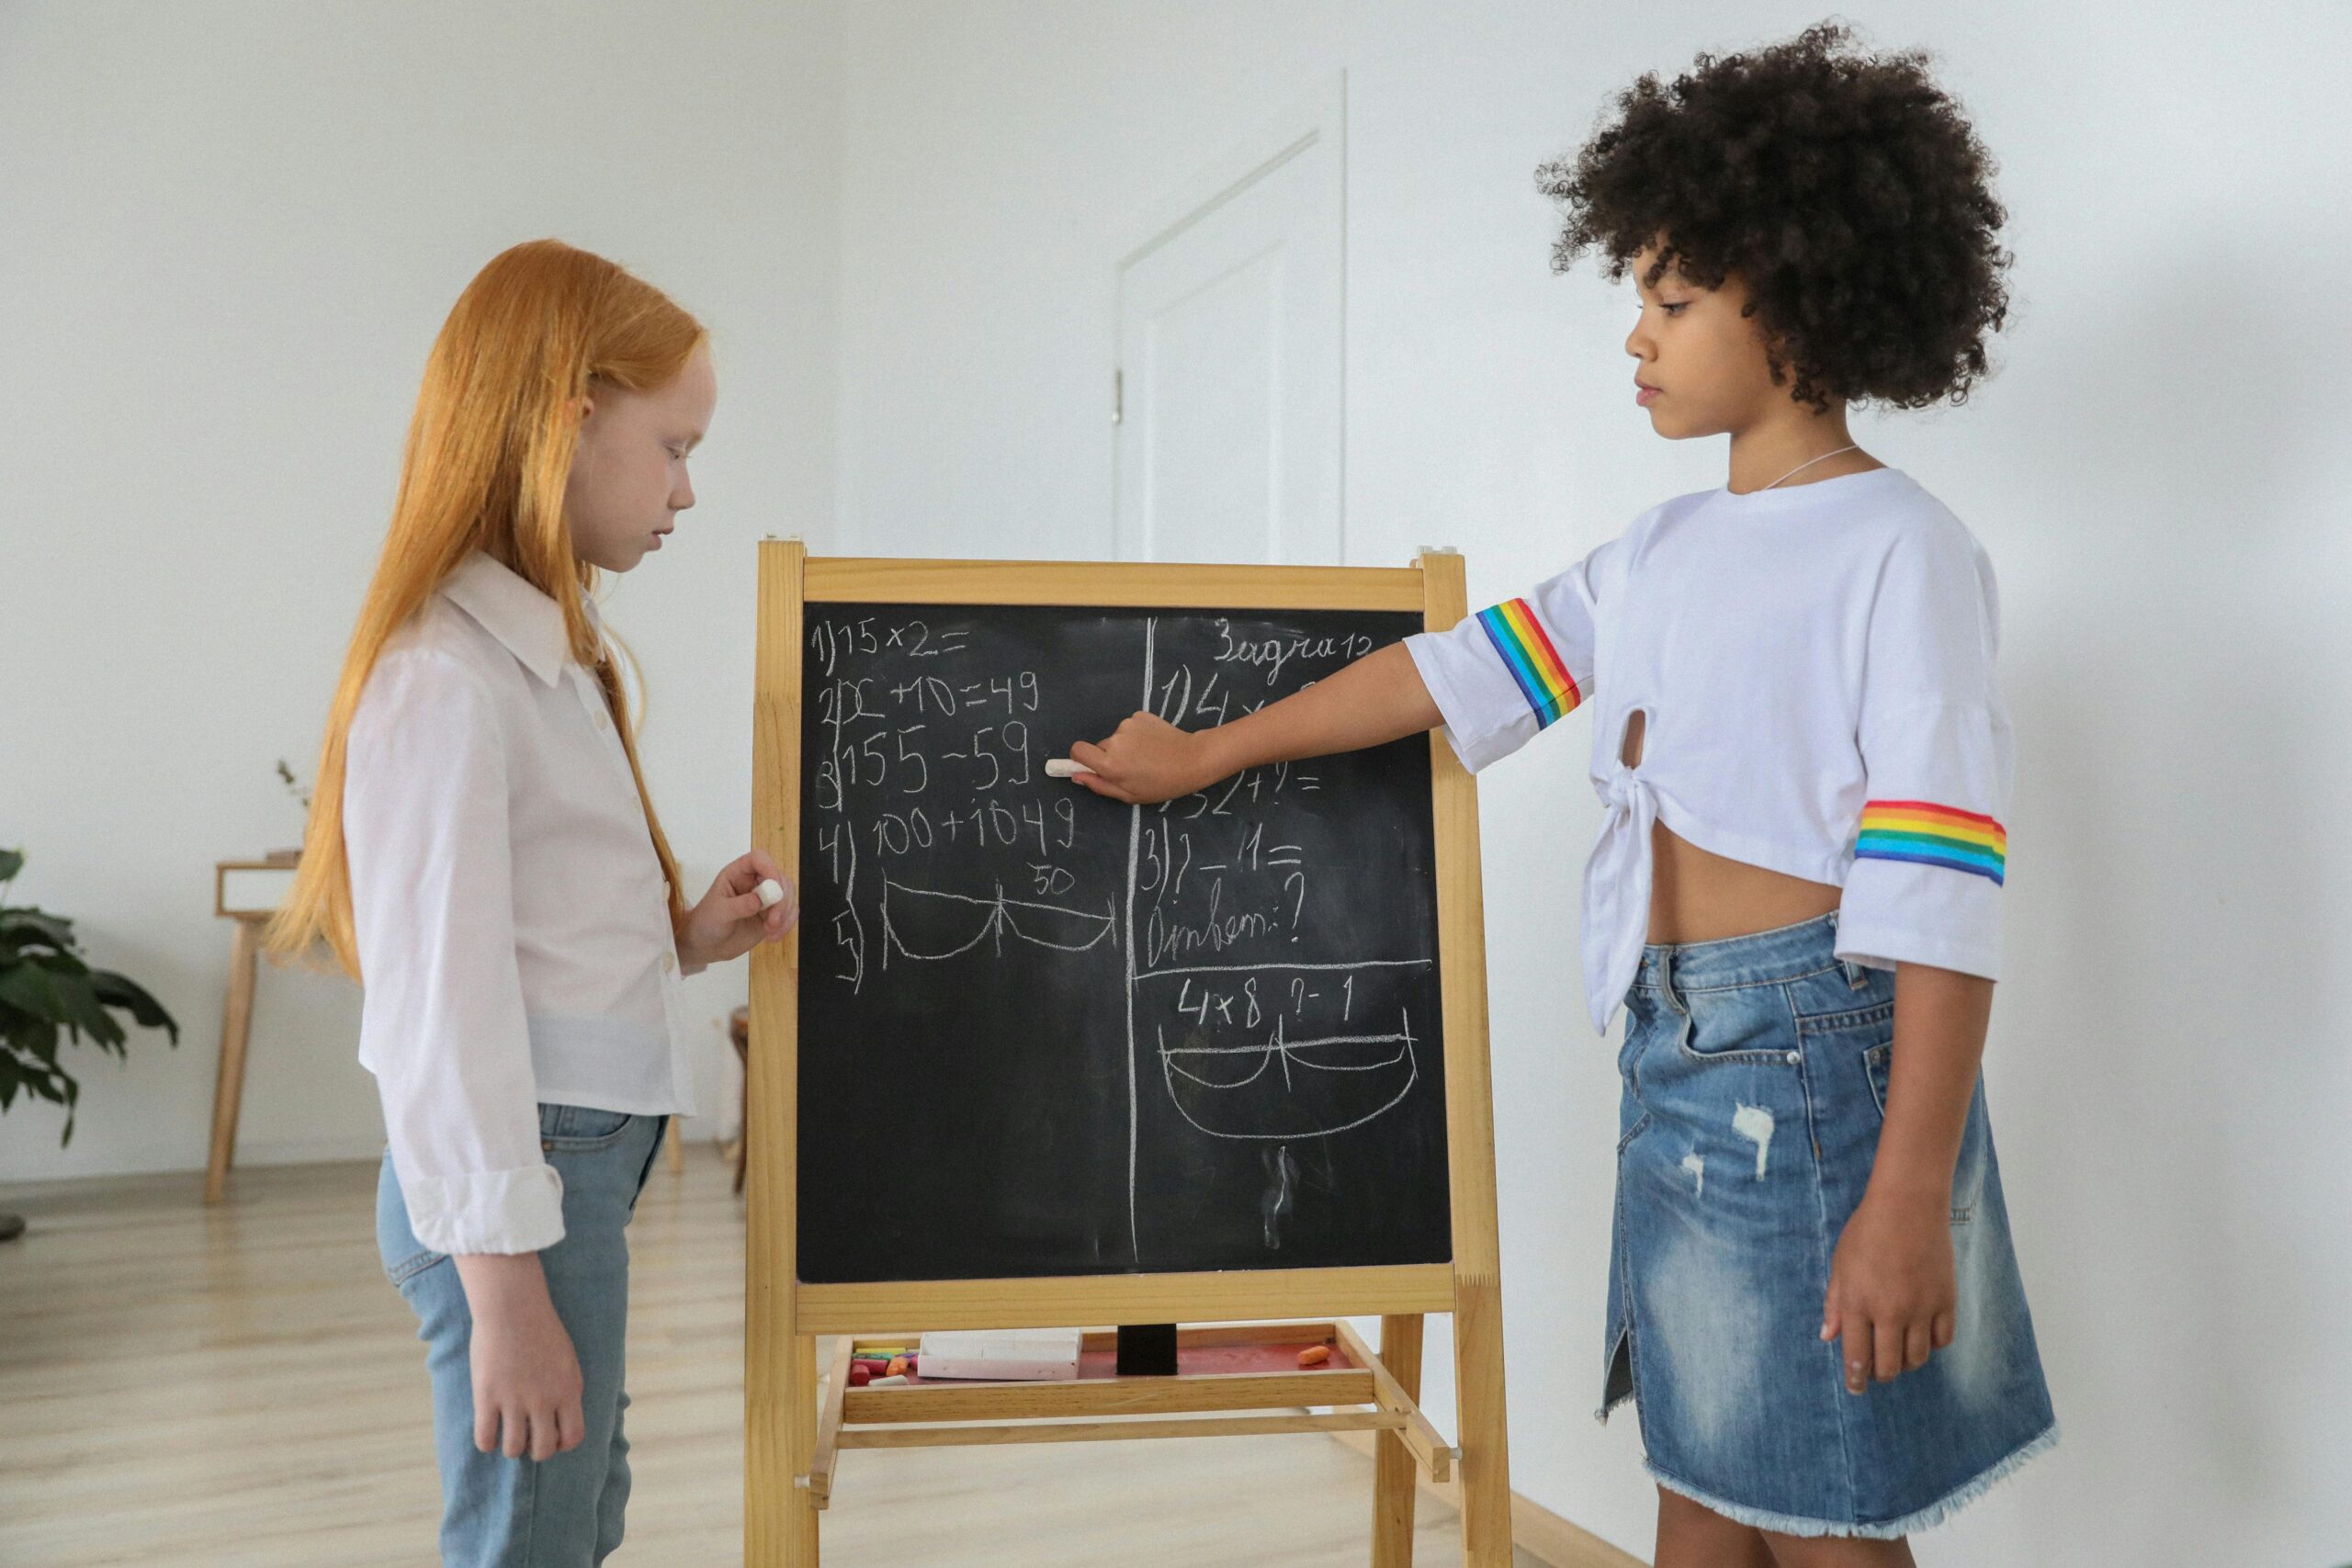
{"points": [[45, 987], [24, 924], [30, 987], [91, 1018], [44, 1082], [121, 991], [28, 1035]]}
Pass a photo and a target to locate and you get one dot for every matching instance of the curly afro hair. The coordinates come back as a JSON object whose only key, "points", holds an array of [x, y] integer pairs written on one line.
{"points": [[1845, 189]]}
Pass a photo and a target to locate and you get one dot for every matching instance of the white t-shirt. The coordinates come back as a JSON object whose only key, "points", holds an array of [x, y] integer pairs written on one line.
{"points": [[1817, 665], [513, 919]]}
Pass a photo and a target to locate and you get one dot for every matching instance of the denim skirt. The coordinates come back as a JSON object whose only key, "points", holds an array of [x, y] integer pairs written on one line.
{"points": [[1754, 1079]]}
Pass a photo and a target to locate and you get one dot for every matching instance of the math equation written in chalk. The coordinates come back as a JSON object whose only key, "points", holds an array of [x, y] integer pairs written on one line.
{"points": [[1045, 1032]]}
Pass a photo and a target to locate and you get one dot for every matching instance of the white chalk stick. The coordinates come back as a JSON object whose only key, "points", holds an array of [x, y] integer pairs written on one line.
{"points": [[1063, 768], [1008, 1355], [771, 892]]}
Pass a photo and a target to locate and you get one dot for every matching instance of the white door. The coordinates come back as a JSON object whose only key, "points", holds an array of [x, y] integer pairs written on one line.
{"points": [[1228, 385]]}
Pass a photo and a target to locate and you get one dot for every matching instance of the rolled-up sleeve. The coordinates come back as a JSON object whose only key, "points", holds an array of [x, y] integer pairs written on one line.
{"points": [[1931, 849], [442, 1025], [1503, 675]]}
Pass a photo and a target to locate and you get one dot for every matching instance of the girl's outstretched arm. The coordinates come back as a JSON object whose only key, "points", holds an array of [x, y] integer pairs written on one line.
{"points": [[1379, 698]]}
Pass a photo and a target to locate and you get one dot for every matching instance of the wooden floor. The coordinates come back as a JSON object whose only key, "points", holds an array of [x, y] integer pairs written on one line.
{"points": [[239, 1387]]}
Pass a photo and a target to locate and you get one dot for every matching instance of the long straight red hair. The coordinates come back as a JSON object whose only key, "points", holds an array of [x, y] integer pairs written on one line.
{"points": [[489, 452]]}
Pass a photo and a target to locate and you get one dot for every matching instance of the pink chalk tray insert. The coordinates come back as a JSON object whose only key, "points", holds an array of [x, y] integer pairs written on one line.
{"points": [[1193, 1361]]}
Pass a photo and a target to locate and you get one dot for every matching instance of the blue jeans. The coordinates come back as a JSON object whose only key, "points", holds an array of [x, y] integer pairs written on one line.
{"points": [[1756, 1072], [565, 1511]]}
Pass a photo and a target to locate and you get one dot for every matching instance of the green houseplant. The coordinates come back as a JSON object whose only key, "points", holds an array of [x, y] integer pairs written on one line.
{"points": [[47, 993]]}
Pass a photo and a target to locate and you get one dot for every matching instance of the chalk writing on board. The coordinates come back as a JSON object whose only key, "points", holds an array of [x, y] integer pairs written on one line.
{"points": [[1265, 1001], [1306, 1057], [944, 917]]}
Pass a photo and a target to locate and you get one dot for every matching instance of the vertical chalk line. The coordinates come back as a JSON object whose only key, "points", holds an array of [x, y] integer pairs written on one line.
{"points": [[1134, 847]]}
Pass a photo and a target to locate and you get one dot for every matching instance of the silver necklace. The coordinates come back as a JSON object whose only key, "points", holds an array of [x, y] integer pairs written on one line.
{"points": [[1811, 461]]}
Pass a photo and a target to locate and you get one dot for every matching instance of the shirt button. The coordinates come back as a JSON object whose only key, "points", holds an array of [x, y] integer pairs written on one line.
{"points": [[602, 721], [669, 961]]}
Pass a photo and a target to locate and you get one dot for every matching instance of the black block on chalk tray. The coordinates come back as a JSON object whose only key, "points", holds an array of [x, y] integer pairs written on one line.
{"points": [[1147, 1350]]}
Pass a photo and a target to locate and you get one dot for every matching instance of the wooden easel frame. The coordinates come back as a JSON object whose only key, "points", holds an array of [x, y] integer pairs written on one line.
{"points": [[788, 1461]]}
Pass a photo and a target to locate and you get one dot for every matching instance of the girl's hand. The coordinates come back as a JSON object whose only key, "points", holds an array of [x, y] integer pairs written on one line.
{"points": [[1145, 761], [525, 1374], [1892, 1288], [1378, 699], [728, 921]]}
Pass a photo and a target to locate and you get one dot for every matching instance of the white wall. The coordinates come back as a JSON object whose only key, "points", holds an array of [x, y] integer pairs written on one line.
{"points": [[2152, 469], [232, 232], [233, 228]]}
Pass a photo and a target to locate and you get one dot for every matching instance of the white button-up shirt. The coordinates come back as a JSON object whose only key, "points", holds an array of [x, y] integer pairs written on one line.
{"points": [[513, 922], [1816, 663]]}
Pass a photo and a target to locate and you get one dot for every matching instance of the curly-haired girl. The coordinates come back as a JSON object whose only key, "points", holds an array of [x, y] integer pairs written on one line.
{"points": [[1807, 765]]}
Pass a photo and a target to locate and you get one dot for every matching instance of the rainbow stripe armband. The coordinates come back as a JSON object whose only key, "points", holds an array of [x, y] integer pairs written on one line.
{"points": [[1542, 675], [1929, 834]]}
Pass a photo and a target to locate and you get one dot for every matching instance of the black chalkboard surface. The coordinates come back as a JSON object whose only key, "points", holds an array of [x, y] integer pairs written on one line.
{"points": [[1043, 1033]]}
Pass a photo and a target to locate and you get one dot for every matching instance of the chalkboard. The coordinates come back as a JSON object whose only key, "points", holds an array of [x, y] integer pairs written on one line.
{"points": [[1043, 1033]]}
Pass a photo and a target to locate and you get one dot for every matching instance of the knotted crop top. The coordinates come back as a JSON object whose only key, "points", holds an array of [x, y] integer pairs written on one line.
{"points": [[1817, 666]]}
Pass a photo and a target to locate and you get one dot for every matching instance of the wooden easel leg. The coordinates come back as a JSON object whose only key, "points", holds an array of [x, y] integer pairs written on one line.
{"points": [[779, 1445], [1394, 1478], [677, 1149], [229, 1090], [800, 1522], [1482, 1422]]}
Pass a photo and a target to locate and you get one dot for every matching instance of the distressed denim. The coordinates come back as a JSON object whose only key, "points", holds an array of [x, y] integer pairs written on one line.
{"points": [[1755, 1081]]}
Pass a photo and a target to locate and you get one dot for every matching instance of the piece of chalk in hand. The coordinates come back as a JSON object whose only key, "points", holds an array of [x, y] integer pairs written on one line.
{"points": [[771, 892], [1063, 768]]}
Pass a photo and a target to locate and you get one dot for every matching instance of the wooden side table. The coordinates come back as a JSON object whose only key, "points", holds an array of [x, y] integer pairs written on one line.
{"points": [[249, 892]]}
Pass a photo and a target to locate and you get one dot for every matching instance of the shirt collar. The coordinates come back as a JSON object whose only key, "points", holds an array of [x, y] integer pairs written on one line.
{"points": [[528, 622]]}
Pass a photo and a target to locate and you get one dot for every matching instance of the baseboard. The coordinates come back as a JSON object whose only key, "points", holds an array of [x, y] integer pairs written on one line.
{"points": [[1535, 1528], [256, 1153]]}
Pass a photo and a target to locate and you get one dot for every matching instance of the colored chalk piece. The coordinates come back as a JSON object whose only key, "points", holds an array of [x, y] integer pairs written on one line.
{"points": [[1315, 1355], [859, 1376]]}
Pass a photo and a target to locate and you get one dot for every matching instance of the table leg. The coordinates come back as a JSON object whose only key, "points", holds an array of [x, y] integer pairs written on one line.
{"points": [[236, 1025]]}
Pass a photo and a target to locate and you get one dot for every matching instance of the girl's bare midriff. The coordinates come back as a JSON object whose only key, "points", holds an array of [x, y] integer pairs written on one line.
{"points": [[1696, 895], [1699, 896]]}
